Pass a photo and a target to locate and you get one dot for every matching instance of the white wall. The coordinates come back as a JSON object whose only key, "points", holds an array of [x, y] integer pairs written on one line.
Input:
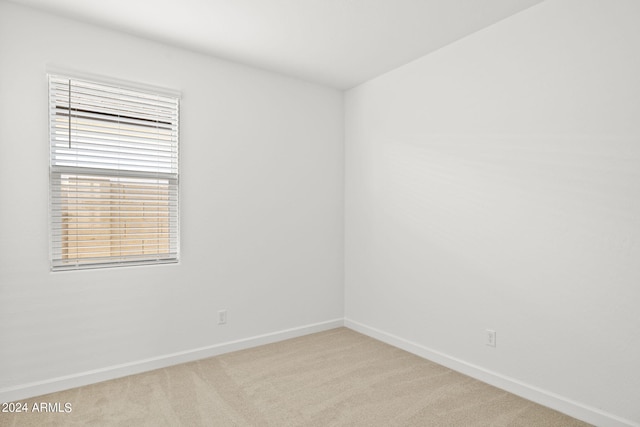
{"points": [[492, 184], [262, 211], [496, 184]]}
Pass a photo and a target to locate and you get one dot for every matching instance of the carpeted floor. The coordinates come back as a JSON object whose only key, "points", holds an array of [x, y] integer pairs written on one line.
{"points": [[333, 378]]}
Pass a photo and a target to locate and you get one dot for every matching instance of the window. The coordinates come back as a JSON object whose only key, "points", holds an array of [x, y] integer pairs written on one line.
{"points": [[113, 175]]}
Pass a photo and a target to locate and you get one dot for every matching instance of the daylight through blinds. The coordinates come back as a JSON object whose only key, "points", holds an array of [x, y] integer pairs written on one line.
{"points": [[113, 175]]}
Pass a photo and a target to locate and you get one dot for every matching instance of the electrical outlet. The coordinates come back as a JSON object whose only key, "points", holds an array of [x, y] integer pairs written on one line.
{"points": [[222, 317], [490, 338]]}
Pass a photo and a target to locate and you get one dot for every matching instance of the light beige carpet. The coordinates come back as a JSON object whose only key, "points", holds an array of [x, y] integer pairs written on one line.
{"points": [[333, 378]]}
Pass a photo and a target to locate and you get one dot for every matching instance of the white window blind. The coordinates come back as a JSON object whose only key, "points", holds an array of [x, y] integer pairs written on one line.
{"points": [[113, 175]]}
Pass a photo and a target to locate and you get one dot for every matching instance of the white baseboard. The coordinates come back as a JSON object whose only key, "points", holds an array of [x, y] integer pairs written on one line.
{"points": [[551, 400], [575, 409], [24, 391]]}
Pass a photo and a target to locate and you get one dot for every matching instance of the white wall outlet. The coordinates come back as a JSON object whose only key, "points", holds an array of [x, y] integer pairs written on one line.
{"points": [[222, 317], [490, 338]]}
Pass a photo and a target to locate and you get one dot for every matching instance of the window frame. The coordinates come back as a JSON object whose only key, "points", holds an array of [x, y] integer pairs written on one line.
{"points": [[125, 177]]}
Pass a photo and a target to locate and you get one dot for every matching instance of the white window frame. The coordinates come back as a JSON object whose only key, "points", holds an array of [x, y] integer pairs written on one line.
{"points": [[114, 190]]}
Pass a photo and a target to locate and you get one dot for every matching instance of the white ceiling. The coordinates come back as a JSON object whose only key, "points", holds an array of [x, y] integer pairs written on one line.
{"points": [[340, 43]]}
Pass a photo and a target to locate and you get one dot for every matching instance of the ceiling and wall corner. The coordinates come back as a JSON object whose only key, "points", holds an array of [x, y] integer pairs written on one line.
{"points": [[339, 43]]}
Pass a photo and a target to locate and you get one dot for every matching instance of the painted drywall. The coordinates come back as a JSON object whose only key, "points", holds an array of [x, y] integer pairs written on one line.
{"points": [[261, 208], [495, 184]]}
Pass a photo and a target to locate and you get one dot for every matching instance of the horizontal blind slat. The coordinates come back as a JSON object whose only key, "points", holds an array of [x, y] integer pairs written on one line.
{"points": [[60, 87]]}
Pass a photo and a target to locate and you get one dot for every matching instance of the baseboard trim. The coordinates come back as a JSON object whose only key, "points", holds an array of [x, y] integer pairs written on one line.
{"points": [[551, 400], [24, 391]]}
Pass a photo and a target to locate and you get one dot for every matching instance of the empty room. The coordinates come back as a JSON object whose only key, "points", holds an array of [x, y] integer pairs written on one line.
{"points": [[320, 212]]}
